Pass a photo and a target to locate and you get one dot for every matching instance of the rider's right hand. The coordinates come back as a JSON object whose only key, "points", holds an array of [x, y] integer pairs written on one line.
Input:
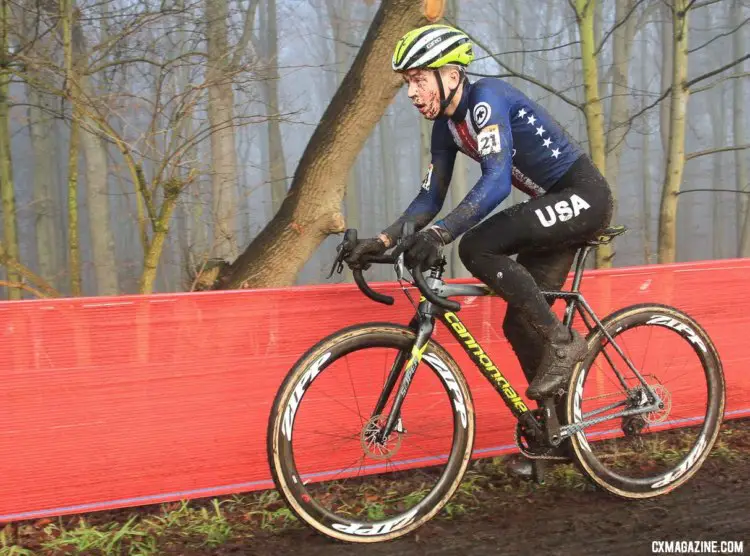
{"points": [[373, 246]]}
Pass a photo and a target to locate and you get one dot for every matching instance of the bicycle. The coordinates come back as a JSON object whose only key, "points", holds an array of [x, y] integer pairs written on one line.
{"points": [[358, 513]]}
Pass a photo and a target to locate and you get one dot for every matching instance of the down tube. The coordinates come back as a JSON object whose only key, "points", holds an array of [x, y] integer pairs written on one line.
{"points": [[484, 363]]}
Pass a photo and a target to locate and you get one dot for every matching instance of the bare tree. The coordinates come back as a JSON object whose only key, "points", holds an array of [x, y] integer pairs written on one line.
{"points": [[676, 153], [311, 210], [220, 117], [739, 46], [7, 193]]}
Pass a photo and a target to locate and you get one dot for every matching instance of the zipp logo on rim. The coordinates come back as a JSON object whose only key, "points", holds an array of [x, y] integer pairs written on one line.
{"points": [[299, 391], [684, 329], [562, 211], [369, 529], [450, 381], [687, 464], [577, 415]]}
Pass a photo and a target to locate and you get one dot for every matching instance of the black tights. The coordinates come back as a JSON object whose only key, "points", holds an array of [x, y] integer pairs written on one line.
{"points": [[545, 233]]}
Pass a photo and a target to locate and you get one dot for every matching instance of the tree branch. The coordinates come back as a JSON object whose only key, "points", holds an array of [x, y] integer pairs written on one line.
{"points": [[520, 75], [705, 44], [704, 4], [720, 70], [691, 156], [698, 79], [247, 33], [11, 263], [617, 26], [529, 51], [718, 81], [743, 191], [22, 286], [162, 65]]}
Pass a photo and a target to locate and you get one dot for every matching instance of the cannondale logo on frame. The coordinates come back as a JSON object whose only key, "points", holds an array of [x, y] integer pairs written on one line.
{"points": [[481, 113]]}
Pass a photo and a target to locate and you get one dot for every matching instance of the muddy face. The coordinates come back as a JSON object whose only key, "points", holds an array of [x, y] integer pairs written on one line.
{"points": [[422, 89]]}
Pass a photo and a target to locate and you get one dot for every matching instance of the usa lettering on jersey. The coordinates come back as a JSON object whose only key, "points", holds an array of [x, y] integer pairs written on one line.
{"points": [[562, 211]]}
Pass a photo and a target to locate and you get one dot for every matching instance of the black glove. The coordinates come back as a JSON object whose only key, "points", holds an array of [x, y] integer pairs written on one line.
{"points": [[422, 248], [373, 246]]}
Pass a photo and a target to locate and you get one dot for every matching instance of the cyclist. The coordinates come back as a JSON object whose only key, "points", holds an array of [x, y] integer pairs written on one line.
{"points": [[516, 142]]}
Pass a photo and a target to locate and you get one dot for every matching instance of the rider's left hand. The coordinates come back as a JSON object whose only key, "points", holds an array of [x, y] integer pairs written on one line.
{"points": [[422, 247]]}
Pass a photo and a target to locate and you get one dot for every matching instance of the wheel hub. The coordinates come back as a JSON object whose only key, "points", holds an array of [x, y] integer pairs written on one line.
{"points": [[375, 448]]}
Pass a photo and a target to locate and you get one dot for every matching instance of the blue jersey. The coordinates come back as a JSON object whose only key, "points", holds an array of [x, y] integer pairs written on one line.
{"points": [[516, 142]]}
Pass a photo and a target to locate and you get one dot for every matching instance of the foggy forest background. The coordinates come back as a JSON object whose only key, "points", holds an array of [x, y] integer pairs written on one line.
{"points": [[139, 141]]}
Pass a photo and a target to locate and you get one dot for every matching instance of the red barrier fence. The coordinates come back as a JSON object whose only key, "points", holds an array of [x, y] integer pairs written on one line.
{"points": [[123, 401]]}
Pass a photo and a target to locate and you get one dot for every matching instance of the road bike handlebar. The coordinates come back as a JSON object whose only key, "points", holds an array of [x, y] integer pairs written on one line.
{"points": [[350, 241]]}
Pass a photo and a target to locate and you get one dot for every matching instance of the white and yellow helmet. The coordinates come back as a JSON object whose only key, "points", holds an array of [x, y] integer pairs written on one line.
{"points": [[431, 47]]}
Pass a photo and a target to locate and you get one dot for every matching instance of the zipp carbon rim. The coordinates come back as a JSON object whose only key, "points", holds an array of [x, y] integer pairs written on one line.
{"points": [[694, 336], [291, 395]]}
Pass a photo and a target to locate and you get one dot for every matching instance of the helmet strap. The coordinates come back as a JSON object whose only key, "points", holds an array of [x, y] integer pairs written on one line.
{"points": [[445, 101]]}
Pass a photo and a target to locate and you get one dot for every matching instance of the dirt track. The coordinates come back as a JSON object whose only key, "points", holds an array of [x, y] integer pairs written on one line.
{"points": [[503, 516], [568, 519], [714, 506]]}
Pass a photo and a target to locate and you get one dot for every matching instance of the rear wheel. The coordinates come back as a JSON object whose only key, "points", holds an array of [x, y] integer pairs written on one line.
{"points": [[650, 452], [323, 449]]}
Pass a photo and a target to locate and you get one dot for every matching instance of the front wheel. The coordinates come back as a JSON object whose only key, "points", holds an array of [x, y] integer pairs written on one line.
{"points": [[326, 457], [677, 359]]}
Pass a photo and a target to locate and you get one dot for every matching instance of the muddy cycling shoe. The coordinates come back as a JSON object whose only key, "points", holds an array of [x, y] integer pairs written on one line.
{"points": [[523, 467], [558, 359]]}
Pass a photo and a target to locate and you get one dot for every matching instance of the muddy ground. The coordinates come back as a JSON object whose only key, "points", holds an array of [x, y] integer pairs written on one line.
{"points": [[501, 515]]}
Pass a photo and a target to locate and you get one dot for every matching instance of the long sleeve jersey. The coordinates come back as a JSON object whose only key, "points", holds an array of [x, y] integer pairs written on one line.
{"points": [[516, 142]]}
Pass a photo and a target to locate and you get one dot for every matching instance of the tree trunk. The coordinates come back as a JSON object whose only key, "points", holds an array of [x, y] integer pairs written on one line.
{"points": [[425, 135], [585, 10], [97, 193], [740, 157], [646, 197], [221, 119], [96, 169], [66, 7], [7, 191], [459, 190], [275, 144], [338, 13], [172, 191], [311, 210], [676, 157], [718, 129], [46, 184], [459, 185], [620, 103], [76, 283], [667, 55], [49, 242]]}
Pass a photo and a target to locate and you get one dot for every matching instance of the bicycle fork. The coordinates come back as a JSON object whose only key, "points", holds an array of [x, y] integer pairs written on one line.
{"points": [[423, 328]]}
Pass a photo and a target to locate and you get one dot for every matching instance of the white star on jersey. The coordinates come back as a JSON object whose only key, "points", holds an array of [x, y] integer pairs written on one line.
{"points": [[521, 113], [555, 153], [547, 142], [540, 130], [532, 119]]}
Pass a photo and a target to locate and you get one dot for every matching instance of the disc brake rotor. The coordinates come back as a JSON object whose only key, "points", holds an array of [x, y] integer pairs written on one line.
{"points": [[369, 439]]}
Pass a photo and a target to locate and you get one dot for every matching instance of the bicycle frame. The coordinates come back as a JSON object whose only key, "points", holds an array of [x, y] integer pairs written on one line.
{"points": [[423, 324]]}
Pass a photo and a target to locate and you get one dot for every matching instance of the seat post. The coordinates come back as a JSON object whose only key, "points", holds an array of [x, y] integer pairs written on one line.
{"points": [[581, 256]]}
